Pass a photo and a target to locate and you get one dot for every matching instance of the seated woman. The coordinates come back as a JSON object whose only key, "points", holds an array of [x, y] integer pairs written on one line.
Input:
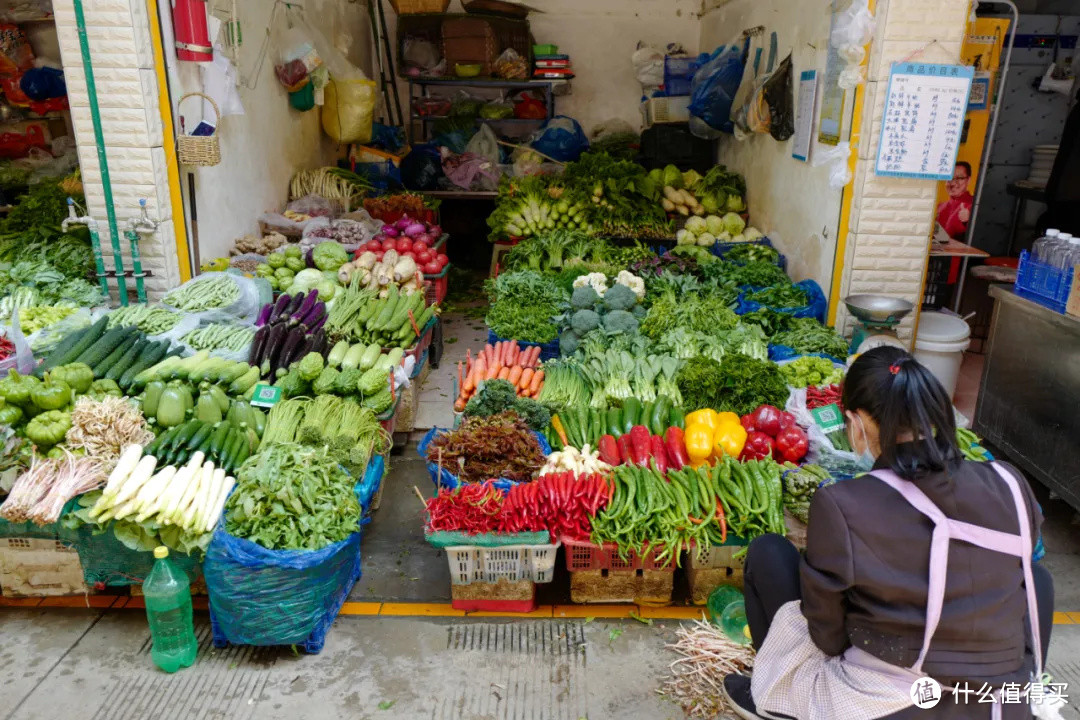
{"points": [[920, 569]]}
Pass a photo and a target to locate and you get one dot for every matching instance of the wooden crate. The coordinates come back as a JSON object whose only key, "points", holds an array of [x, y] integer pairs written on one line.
{"points": [[501, 596], [722, 565], [31, 567], [648, 587]]}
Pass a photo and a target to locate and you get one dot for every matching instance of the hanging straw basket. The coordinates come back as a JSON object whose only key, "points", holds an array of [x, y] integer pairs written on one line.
{"points": [[204, 150], [414, 7]]}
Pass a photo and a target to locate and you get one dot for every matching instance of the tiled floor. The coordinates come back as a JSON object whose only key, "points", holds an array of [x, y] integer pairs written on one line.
{"points": [[967, 387], [436, 405]]}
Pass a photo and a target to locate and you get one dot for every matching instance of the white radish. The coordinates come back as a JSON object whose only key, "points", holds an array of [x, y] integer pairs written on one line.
{"points": [[208, 498], [206, 481], [150, 492], [139, 477], [219, 504], [177, 514], [129, 458], [178, 491]]}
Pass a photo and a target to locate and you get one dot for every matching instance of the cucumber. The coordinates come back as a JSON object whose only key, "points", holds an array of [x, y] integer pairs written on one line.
{"points": [[201, 435], [69, 353], [243, 452], [204, 444], [61, 349], [151, 355], [126, 360], [104, 345], [114, 357], [159, 441], [184, 435], [217, 440]]}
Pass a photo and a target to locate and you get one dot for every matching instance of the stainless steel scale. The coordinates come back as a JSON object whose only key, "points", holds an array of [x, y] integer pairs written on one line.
{"points": [[878, 316]]}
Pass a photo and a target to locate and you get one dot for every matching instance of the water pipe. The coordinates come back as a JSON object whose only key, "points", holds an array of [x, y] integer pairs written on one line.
{"points": [[136, 226], [95, 243], [99, 141]]}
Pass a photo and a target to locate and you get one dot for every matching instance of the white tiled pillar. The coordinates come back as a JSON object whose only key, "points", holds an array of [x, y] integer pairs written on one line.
{"points": [[892, 218], [118, 32]]}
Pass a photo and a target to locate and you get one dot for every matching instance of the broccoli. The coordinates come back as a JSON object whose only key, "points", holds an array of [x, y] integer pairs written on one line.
{"points": [[533, 413], [620, 321], [492, 397], [639, 312], [584, 320], [569, 342], [620, 297], [310, 366], [584, 297]]}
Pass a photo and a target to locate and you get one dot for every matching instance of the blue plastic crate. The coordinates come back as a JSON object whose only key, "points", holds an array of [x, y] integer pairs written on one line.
{"points": [[448, 479], [722, 249], [1043, 283], [548, 351], [678, 73]]}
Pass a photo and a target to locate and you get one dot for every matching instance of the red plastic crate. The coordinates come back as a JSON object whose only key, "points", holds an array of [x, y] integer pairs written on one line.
{"points": [[583, 555], [437, 285], [510, 606]]}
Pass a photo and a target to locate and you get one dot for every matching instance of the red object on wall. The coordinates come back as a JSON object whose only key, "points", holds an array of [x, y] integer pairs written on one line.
{"points": [[189, 27]]}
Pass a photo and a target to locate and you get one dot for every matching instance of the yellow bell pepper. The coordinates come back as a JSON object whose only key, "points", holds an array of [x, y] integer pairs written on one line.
{"points": [[727, 418], [706, 416], [699, 443], [729, 439]]}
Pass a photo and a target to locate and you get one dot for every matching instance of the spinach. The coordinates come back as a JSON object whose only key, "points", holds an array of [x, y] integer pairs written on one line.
{"points": [[780, 296], [739, 384], [807, 335], [523, 306]]}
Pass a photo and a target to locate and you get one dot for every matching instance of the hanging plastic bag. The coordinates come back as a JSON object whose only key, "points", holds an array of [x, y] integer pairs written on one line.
{"points": [[422, 168], [713, 87], [648, 67], [770, 106], [348, 110], [754, 59], [561, 139], [295, 53], [484, 144], [22, 359], [837, 159]]}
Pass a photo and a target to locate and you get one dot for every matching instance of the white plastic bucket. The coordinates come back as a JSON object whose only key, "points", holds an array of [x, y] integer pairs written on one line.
{"points": [[940, 346]]}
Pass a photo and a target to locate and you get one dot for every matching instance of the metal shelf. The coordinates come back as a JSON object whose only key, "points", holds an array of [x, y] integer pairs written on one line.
{"points": [[429, 118], [462, 194], [485, 82]]}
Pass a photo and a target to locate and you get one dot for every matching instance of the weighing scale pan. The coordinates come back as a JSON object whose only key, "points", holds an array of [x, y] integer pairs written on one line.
{"points": [[876, 309]]}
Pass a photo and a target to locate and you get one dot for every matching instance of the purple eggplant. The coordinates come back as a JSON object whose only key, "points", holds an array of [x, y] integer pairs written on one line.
{"points": [[257, 344], [272, 350], [309, 257], [264, 314], [294, 304], [318, 323], [279, 307], [317, 311], [318, 342], [292, 349], [305, 307]]}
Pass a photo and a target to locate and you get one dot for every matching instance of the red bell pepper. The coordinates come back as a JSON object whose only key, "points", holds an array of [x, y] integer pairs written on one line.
{"points": [[676, 448], [766, 419], [786, 420], [747, 421], [792, 443], [758, 446], [640, 445], [625, 456], [609, 450], [660, 454]]}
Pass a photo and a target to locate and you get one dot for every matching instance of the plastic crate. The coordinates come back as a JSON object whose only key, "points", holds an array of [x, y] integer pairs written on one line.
{"points": [[512, 563], [941, 273], [666, 110], [437, 286], [722, 249], [1042, 283], [39, 567], [548, 351], [584, 555], [643, 587], [678, 74]]}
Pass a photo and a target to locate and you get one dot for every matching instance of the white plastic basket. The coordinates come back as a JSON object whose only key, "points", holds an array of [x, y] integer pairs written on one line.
{"points": [[471, 563], [662, 110]]}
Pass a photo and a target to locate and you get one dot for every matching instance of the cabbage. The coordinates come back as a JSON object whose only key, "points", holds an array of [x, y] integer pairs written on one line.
{"points": [[684, 237], [752, 233], [739, 238], [305, 280], [711, 202], [733, 223], [327, 289], [715, 224], [734, 203], [696, 225], [723, 237], [329, 256], [706, 239], [673, 177]]}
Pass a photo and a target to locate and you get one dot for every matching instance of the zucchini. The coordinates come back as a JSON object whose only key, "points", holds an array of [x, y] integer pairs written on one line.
{"points": [[126, 360], [387, 311], [114, 357], [151, 355], [104, 345], [63, 355]]}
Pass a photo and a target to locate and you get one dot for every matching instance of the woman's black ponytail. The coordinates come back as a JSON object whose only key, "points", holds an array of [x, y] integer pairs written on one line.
{"points": [[906, 400]]}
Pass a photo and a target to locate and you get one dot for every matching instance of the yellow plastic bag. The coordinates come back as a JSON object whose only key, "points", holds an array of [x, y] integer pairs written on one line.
{"points": [[348, 107]]}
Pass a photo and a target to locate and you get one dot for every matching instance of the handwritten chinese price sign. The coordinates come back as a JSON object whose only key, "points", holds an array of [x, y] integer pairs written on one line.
{"points": [[924, 120]]}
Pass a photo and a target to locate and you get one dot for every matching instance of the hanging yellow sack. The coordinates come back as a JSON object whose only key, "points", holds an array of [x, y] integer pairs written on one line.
{"points": [[348, 107]]}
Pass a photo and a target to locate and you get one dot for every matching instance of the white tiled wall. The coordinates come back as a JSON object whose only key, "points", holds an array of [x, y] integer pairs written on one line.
{"points": [[127, 93], [892, 218]]}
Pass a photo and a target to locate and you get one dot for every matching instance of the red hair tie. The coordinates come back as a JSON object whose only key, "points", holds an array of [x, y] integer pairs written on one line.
{"points": [[894, 368]]}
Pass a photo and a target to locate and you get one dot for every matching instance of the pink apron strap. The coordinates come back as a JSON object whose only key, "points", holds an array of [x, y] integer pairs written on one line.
{"points": [[1029, 548]]}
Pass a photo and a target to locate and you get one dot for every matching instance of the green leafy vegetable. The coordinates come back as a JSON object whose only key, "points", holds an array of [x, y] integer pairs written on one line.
{"points": [[739, 384]]}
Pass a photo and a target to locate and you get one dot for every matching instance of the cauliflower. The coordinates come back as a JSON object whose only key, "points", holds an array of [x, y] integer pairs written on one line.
{"points": [[584, 296], [596, 280], [583, 321], [620, 321], [633, 282]]}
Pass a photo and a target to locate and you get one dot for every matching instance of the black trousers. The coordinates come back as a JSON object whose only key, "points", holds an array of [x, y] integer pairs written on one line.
{"points": [[771, 578]]}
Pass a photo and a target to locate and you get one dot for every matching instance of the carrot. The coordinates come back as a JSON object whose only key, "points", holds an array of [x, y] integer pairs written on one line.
{"points": [[537, 381], [534, 355], [526, 378], [504, 352], [470, 382], [515, 375], [460, 378], [504, 373], [459, 405], [491, 372]]}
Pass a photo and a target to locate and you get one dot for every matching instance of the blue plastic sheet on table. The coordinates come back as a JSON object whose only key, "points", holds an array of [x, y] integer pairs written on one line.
{"points": [[548, 351], [786, 352], [816, 307], [720, 250], [447, 479]]}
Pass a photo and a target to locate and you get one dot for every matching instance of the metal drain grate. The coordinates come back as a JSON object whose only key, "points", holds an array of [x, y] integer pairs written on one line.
{"points": [[515, 671], [218, 686]]}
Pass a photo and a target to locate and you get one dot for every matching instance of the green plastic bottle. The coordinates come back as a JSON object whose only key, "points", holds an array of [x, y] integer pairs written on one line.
{"points": [[168, 610], [728, 612]]}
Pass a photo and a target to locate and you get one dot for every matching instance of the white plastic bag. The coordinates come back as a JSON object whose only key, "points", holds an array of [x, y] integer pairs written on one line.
{"points": [[485, 144], [254, 293], [22, 359], [836, 157], [821, 451], [648, 67]]}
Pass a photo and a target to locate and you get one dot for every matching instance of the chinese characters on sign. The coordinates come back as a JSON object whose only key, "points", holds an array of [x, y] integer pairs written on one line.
{"points": [[924, 120]]}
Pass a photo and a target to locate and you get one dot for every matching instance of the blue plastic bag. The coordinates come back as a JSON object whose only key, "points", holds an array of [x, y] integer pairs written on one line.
{"points": [[714, 85], [816, 304], [422, 167], [43, 83], [561, 138]]}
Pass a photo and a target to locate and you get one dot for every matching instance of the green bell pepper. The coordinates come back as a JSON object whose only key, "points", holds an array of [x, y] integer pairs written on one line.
{"points": [[52, 394], [49, 427], [9, 414], [77, 375], [101, 389], [16, 388]]}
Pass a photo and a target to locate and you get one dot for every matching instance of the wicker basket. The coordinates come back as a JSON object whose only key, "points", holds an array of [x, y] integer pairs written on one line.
{"points": [[203, 150], [415, 7]]}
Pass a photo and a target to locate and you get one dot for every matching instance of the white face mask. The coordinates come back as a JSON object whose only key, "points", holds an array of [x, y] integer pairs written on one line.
{"points": [[866, 459]]}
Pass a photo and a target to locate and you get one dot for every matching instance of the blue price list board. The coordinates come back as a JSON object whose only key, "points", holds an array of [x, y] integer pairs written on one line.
{"points": [[924, 120]]}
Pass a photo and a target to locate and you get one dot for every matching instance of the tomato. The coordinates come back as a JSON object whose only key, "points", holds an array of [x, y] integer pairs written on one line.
{"points": [[409, 254], [388, 244], [443, 261], [419, 246], [424, 256], [379, 254], [432, 268], [404, 245]]}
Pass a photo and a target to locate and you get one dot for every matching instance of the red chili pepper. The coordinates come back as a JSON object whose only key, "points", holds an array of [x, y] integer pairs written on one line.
{"points": [[722, 519], [624, 449], [640, 445], [659, 454], [675, 444]]}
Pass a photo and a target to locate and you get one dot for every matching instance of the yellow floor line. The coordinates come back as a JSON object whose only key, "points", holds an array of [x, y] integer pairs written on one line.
{"points": [[411, 609]]}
